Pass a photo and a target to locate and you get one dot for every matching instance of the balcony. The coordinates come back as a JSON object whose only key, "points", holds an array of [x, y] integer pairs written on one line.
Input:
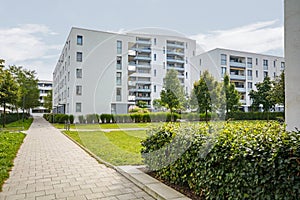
{"points": [[237, 64], [144, 66], [175, 45], [237, 77], [175, 53], [175, 68], [144, 82], [142, 98], [174, 60], [139, 90], [131, 52], [148, 58], [142, 50], [143, 42], [241, 89]]}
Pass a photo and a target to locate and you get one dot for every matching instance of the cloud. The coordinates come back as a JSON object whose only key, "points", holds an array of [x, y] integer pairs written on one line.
{"points": [[24, 42], [261, 37]]}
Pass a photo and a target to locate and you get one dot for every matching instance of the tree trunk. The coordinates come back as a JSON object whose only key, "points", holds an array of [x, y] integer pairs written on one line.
{"points": [[206, 118], [4, 115]]}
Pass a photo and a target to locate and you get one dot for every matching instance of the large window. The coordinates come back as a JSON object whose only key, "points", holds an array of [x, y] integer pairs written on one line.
{"points": [[78, 73], [250, 85], [223, 71], [78, 90], [223, 59], [119, 78], [79, 40], [266, 74], [119, 62], [119, 94], [79, 56], [119, 47], [249, 62], [265, 64], [78, 107]]}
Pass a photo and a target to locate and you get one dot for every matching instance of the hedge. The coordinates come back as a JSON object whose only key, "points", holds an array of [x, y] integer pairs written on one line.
{"points": [[59, 118], [255, 115], [12, 117], [243, 160]]}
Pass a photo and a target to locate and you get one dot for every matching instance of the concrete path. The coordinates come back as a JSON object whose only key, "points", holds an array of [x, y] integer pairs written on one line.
{"points": [[50, 166]]}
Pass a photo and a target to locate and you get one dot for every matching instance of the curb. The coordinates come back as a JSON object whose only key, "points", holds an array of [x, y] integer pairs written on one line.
{"points": [[150, 185]]}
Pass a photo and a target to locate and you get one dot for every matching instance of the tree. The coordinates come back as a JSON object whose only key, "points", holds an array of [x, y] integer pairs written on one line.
{"points": [[263, 96], [172, 95], [232, 95], [48, 101], [157, 104], [8, 90], [278, 90], [207, 94]]}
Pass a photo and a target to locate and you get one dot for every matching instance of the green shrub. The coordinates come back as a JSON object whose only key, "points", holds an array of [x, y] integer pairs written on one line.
{"points": [[71, 118], [12, 117], [254, 115], [81, 119], [107, 118], [244, 160], [92, 118]]}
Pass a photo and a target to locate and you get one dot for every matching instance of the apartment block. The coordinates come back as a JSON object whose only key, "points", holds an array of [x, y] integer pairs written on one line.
{"points": [[105, 72], [245, 69], [44, 87]]}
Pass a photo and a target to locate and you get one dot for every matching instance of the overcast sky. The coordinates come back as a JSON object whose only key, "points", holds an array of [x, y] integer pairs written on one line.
{"points": [[32, 32]]}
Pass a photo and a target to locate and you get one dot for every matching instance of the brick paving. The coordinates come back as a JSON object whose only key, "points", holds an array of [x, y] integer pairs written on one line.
{"points": [[50, 166]]}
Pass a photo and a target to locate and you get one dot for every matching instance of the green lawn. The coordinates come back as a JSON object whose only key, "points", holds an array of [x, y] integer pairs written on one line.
{"points": [[18, 125], [116, 147], [9, 146], [105, 126]]}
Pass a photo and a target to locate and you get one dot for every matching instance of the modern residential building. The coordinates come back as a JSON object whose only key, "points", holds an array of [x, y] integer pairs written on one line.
{"points": [[245, 69], [44, 87], [105, 72]]}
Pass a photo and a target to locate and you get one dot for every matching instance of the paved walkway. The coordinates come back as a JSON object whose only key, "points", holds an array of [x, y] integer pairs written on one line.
{"points": [[50, 166]]}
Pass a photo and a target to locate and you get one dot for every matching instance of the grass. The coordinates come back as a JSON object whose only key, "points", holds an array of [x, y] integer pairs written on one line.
{"points": [[116, 147], [105, 126], [9, 146], [18, 125]]}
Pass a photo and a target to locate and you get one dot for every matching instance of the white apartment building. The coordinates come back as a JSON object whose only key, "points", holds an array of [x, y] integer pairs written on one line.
{"points": [[245, 69], [44, 87], [105, 72]]}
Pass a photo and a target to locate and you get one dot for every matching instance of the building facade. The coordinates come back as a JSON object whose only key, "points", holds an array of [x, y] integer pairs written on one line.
{"points": [[245, 69], [44, 87], [104, 72]]}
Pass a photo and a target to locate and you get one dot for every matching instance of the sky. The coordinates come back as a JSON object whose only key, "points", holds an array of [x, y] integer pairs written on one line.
{"points": [[33, 32]]}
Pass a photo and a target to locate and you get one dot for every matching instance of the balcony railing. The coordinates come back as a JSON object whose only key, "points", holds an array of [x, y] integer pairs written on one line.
{"points": [[175, 60], [148, 58], [142, 50], [175, 53], [176, 68], [143, 42], [131, 98], [175, 45], [143, 82], [142, 98], [237, 77], [240, 89], [237, 64], [139, 90]]}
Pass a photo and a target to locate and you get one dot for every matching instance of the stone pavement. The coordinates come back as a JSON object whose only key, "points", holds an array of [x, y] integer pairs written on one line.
{"points": [[50, 166]]}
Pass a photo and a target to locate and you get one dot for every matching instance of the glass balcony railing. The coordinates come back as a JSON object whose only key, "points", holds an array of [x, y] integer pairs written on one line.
{"points": [[148, 58], [237, 64], [176, 68], [175, 60], [142, 49], [142, 98], [175, 45], [143, 42], [237, 77], [175, 53], [240, 89], [140, 90]]}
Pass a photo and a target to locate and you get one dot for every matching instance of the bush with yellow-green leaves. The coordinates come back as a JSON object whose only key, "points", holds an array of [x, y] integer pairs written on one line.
{"points": [[236, 160]]}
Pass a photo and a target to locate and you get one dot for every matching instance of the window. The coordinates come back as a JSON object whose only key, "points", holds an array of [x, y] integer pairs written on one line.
{"points": [[265, 74], [256, 73], [249, 62], [154, 57], [256, 62], [78, 90], [154, 41], [69, 43], [249, 72], [68, 76], [274, 75], [119, 62], [154, 88], [118, 96], [164, 50], [119, 47], [78, 107], [164, 65], [186, 75], [68, 108], [223, 71], [68, 92], [250, 85], [274, 63], [78, 73], [282, 65], [155, 73], [200, 62], [79, 40], [79, 56], [119, 78], [223, 59], [186, 60], [265, 64]]}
